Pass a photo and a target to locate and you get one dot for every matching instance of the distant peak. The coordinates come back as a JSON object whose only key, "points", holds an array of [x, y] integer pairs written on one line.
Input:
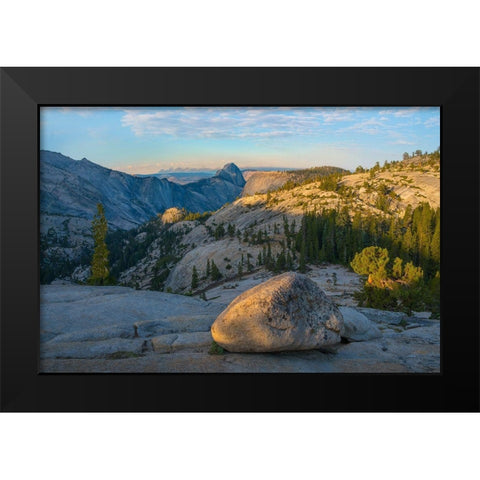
{"points": [[230, 166], [231, 173]]}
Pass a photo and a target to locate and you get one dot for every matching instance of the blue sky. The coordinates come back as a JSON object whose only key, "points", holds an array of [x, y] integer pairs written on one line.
{"points": [[150, 139]]}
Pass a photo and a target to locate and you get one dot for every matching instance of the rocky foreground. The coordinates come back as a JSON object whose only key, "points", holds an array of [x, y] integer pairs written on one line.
{"points": [[118, 329]]}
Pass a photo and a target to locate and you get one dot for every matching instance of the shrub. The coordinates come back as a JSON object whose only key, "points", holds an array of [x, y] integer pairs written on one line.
{"points": [[215, 349]]}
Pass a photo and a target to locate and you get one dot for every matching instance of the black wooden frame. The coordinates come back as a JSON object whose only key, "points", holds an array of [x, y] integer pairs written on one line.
{"points": [[455, 90]]}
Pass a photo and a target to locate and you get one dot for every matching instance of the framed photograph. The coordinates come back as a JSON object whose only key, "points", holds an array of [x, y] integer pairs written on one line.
{"points": [[240, 239]]}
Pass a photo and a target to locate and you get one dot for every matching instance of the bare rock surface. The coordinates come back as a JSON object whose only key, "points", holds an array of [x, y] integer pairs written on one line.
{"points": [[357, 327], [287, 312], [92, 329], [88, 322], [382, 316], [411, 351], [226, 254], [94, 348], [262, 182], [181, 341], [415, 350]]}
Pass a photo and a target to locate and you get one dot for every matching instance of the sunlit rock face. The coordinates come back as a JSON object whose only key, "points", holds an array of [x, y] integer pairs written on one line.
{"points": [[287, 312]]}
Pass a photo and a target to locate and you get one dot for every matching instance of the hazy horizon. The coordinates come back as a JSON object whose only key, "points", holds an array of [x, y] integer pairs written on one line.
{"points": [[150, 140]]}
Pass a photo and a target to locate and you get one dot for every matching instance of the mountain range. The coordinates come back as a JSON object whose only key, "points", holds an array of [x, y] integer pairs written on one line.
{"points": [[74, 187], [245, 215]]}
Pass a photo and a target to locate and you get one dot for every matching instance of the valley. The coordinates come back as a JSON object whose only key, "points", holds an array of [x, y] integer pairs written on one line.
{"points": [[238, 233]]}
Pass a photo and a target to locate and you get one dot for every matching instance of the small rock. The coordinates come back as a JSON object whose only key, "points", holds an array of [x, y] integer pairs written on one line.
{"points": [[382, 316], [357, 327], [412, 325], [424, 315]]}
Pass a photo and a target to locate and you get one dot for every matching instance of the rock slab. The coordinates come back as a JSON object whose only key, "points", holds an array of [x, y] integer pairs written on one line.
{"points": [[287, 312], [181, 341], [357, 327]]}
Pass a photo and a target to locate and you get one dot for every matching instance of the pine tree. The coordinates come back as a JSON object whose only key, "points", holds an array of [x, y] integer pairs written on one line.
{"points": [[397, 269], [408, 242], [268, 259], [281, 261], [194, 278], [208, 268], [372, 261], [435, 245], [216, 275], [316, 249], [289, 261], [302, 266], [259, 258], [286, 229], [412, 274], [100, 265], [219, 232]]}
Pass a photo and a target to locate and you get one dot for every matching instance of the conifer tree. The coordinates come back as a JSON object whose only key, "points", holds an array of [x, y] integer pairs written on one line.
{"points": [[397, 269], [302, 266], [268, 259], [286, 229], [249, 265], [194, 278], [216, 275], [100, 265], [289, 265], [412, 274], [435, 245], [372, 261], [259, 258]]}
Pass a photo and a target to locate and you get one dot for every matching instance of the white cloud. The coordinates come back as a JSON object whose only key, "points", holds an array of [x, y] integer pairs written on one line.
{"points": [[400, 111], [230, 122], [401, 141], [341, 115], [432, 122], [397, 126], [370, 126], [84, 112]]}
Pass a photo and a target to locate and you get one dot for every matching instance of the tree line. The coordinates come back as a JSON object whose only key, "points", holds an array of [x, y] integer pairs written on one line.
{"points": [[333, 236]]}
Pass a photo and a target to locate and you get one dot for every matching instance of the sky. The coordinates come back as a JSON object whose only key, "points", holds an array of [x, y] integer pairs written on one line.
{"points": [[142, 140]]}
